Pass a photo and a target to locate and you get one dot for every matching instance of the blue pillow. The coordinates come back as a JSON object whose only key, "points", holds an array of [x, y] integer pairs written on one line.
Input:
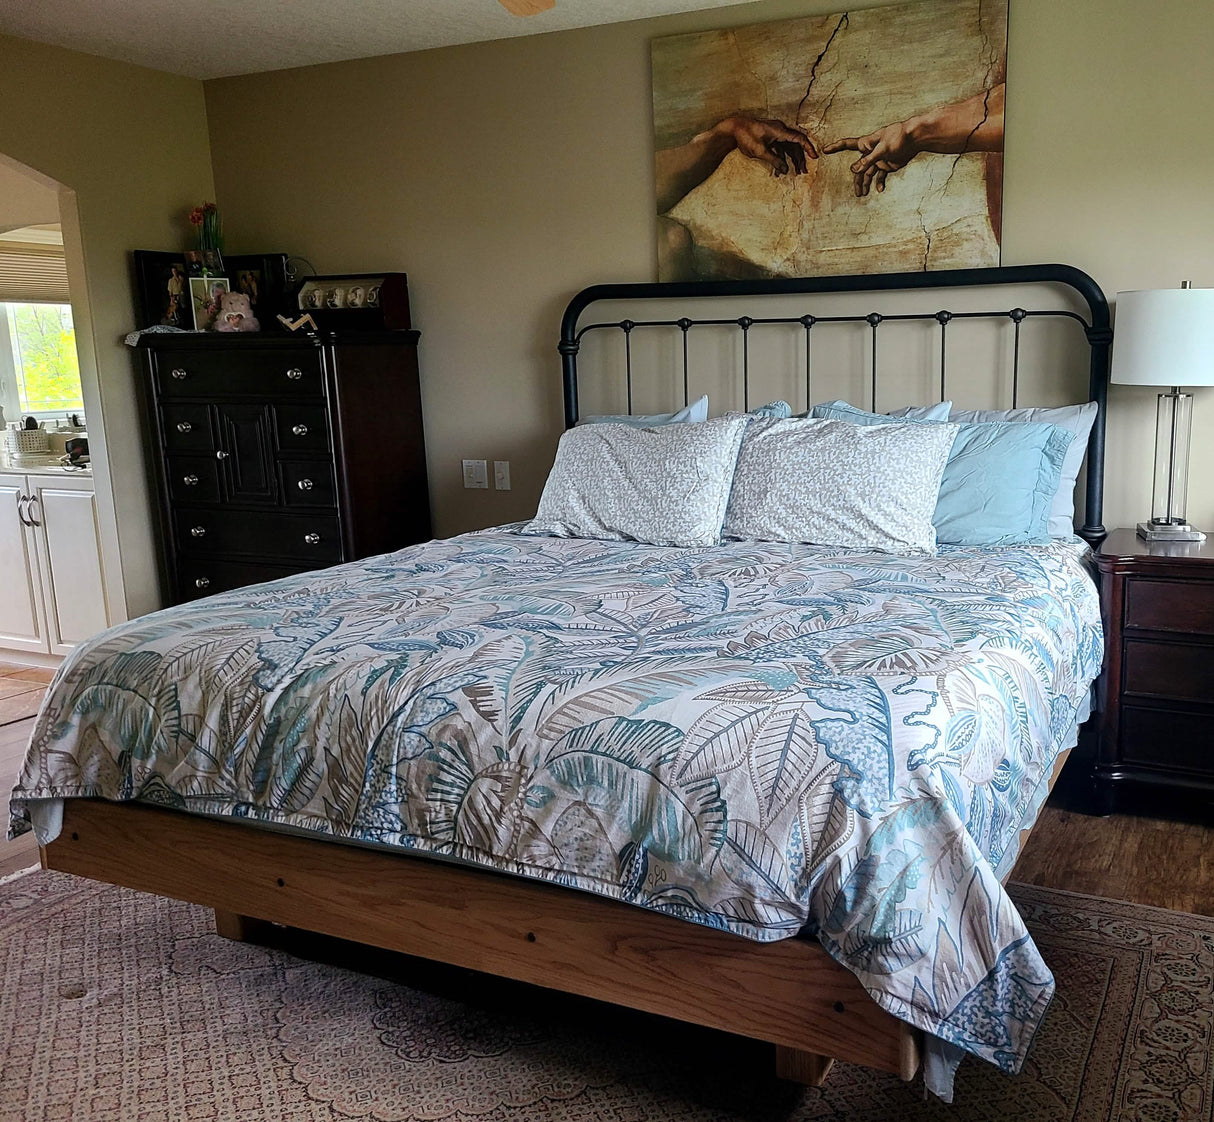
{"points": [[773, 410], [1000, 480], [694, 413], [843, 411], [999, 483]]}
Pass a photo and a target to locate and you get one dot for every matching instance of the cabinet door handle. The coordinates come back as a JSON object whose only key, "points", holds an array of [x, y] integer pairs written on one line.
{"points": [[306, 485], [30, 510], [190, 480], [221, 455], [178, 373], [312, 538], [294, 373], [203, 582], [299, 430], [21, 501], [198, 531], [184, 427]]}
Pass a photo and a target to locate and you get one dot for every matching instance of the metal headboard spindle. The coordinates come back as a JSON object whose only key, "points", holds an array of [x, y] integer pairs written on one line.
{"points": [[1097, 332]]}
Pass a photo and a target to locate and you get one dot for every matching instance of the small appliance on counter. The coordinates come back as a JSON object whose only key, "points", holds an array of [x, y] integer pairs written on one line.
{"points": [[76, 449]]}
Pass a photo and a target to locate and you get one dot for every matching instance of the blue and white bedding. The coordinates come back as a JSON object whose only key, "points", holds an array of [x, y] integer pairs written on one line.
{"points": [[758, 738]]}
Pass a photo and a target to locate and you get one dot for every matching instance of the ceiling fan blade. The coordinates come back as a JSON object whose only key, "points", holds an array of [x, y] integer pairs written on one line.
{"points": [[526, 7]]}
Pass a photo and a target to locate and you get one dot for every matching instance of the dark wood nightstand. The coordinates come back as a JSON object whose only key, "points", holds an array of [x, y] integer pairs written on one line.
{"points": [[1156, 695]]}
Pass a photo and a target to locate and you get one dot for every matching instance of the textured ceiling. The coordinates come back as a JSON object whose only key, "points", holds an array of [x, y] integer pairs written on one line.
{"points": [[218, 38]]}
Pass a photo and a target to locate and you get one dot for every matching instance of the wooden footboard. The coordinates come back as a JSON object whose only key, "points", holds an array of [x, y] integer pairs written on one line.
{"points": [[790, 993]]}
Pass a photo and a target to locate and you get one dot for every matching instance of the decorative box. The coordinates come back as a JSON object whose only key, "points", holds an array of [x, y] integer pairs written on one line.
{"points": [[356, 301]]}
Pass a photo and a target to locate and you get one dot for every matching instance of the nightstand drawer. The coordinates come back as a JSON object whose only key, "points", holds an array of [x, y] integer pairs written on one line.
{"points": [[1182, 671], [1170, 605], [1163, 739]]}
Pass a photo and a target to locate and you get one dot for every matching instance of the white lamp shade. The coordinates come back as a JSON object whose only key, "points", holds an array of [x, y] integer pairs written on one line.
{"points": [[1164, 337]]}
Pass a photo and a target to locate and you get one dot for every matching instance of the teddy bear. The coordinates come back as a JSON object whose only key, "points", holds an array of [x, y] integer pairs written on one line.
{"points": [[236, 313]]}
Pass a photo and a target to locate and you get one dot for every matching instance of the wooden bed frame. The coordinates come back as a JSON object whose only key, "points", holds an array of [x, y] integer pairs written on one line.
{"points": [[789, 992]]}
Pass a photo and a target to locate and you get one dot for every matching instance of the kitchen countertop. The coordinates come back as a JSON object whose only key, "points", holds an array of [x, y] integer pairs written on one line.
{"points": [[42, 465]]}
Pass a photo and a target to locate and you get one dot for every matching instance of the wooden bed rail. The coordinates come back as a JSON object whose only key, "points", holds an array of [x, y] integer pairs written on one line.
{"points": [[789, 993]]}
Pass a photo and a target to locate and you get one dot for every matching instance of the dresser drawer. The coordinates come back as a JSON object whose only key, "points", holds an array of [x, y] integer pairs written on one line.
{"points": [[1161, 738], [193, 479], [301, 428], [200, 576], [290, 372], [1182, 671], [241, 533], [187, 427], [1169, 605], [308, 483]]}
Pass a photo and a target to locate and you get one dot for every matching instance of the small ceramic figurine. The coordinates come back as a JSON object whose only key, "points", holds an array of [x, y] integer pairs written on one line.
{"points": [[334, 299], [236, 313], [354, 298]]}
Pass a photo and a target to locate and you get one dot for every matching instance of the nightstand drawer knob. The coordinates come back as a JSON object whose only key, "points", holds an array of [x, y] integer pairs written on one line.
{"points": [[190, 480], [203, 582], [178, 373], [312, 538], [299, 430], [184, 427], [295, 374], [198, 531], [306, 485]]}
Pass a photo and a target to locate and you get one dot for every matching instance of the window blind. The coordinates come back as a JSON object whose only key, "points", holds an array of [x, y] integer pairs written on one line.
{"points": [[33, 275]]}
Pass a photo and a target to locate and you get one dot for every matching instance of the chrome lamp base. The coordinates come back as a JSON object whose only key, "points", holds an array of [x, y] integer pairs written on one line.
{"points": [[1169, 532]]}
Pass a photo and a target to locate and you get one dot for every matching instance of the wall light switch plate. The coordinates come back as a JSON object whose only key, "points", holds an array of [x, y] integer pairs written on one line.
{"points": [[501, 475], [476, 473]]}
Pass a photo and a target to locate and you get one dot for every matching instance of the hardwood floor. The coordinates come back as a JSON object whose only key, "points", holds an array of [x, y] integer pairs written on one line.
{"points": [[21, 690]]}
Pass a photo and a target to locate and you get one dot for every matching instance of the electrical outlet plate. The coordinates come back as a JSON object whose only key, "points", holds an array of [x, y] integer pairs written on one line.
{"points": [[476, 473], [501, 475]]}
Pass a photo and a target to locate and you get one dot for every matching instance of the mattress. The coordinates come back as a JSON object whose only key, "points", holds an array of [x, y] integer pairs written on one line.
{"points": [[767, 739]]}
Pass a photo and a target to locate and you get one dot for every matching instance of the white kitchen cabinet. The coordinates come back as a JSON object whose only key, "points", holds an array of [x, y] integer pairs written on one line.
{"points": [[52, 579]]}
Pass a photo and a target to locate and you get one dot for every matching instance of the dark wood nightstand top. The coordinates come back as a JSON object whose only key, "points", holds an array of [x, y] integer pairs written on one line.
{"points": [[1127, 546]]}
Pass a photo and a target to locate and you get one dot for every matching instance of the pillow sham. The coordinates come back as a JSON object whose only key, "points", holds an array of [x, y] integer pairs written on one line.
{"points": [[773, 410], [999, 484], [830, 482], [667, 485], [845, 411], [1077, 419], [694, 413]]}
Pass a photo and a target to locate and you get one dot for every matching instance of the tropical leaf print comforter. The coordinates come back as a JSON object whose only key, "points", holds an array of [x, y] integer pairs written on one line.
{"points": [[766, 739]]}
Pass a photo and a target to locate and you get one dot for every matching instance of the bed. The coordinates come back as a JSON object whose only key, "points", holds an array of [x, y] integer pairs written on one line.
{"points": [[769, 788]]}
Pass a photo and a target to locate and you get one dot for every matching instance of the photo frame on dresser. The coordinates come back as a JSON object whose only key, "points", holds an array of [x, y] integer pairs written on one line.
{"points": [[162, 296], [262, 277]]}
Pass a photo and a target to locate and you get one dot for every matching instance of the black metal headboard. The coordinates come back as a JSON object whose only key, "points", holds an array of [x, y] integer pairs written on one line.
{"points": [[1096, 330]]}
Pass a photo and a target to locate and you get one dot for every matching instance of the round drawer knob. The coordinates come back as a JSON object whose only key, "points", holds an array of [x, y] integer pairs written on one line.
{"points": [[221, 455], [299, 430], [294, 373], [312, 539], [178, 373], [198, 531], [203, 582], [184, 426], [306, 485], [190, 480]]}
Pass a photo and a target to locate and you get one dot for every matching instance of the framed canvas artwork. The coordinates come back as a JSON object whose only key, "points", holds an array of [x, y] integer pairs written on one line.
{"points": [[861, 142]]}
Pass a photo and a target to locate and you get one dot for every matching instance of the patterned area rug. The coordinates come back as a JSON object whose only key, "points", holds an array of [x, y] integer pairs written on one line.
{"points": [[121, 1006]]}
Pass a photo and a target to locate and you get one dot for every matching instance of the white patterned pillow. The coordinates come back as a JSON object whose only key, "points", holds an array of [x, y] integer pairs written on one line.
{"points": [[664, 486], [835, 483]]}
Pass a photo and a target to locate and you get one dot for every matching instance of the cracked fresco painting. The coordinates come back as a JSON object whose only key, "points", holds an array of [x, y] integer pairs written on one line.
{"points": [[860, 142]]}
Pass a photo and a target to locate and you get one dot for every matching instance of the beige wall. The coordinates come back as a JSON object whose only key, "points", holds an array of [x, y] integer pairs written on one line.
{"points": [[504, 176], [132, 146]]}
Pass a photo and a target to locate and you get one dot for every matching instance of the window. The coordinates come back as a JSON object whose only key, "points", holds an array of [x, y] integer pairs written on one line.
{"points": [[39, 371]]}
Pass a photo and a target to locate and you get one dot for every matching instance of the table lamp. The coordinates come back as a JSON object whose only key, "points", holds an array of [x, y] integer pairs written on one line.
{"points": [[1165, 337]]}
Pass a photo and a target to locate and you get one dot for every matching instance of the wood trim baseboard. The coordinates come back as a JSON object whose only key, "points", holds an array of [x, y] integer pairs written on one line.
{"points": [[790, 992]]}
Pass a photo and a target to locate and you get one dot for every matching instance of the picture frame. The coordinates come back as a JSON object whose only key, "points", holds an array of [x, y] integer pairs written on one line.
{"points": [[262, 277], [205, 294], [162, 297]]}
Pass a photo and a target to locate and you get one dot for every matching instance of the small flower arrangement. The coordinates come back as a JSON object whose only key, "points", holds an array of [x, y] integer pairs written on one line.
{"points": [[205, 220]]}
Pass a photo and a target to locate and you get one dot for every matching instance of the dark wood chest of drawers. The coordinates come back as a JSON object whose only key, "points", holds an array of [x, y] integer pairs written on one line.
{"points": [[279, 454], [1156, 695]]}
